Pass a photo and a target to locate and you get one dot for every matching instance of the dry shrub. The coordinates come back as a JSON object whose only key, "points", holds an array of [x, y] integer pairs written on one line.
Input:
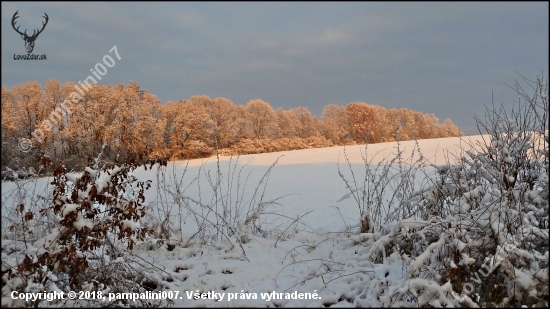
{"points": [[248, 146], [318, 141], [94, 215], [192, 150]]}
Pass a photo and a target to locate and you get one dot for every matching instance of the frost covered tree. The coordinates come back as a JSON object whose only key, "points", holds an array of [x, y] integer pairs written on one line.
{"points": [[261, 119], [364, 122], [337, 123], [225, 121], [307, 124], [132, 120], [187, 129], [286, 123]]}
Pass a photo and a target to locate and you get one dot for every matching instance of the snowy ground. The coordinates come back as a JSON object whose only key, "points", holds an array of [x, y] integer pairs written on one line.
{"points": [[311, 256]]}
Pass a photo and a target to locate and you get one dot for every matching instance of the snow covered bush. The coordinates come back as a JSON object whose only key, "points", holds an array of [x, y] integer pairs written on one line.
{"points": [[474, 233], [94, 214], [480, 235]]}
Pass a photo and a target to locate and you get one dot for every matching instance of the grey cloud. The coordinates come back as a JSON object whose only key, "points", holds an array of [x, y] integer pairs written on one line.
{"points": [[434, 57]]}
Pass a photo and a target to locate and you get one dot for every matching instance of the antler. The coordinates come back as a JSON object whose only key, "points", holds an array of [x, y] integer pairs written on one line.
{"points": [[34, 34], [43, 26], [13, 24]]}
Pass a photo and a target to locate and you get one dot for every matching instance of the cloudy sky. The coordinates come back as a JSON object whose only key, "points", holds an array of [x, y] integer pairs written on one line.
{"points": [[446, 59]]}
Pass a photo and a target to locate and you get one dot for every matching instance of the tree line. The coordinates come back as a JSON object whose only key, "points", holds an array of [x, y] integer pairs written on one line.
{"points": [[129, 119]]}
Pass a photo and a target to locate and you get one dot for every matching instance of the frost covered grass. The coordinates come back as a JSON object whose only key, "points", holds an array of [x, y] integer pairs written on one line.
{"points": [[436, 223]]}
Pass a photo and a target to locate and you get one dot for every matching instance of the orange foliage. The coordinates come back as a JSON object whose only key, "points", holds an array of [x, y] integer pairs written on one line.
{"points": [[132, 120]]}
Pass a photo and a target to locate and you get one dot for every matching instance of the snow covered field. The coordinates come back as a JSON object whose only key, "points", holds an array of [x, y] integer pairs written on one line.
{"points": [[306, 242], [307, 180]]}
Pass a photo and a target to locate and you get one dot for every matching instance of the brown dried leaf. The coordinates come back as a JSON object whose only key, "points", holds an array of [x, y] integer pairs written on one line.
{"points": [[29, 216]]}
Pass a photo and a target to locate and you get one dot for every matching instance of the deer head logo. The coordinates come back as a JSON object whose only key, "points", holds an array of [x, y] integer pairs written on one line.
{"points": [[29, 40]]}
